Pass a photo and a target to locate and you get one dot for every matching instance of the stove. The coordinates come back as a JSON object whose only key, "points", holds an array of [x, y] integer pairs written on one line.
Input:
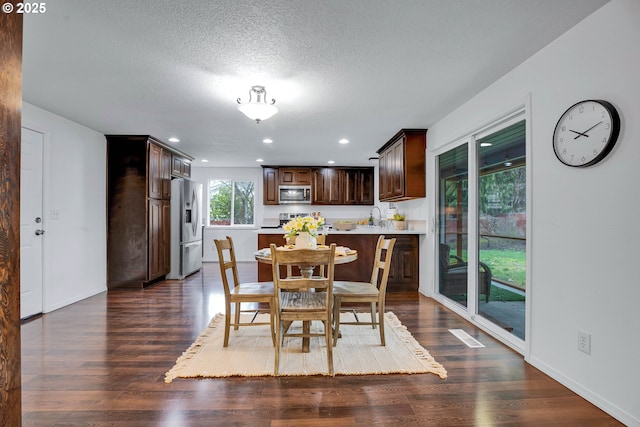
{"points": [[286, 217]]}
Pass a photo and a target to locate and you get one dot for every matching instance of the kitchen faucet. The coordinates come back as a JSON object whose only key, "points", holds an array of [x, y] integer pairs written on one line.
{"points": [[379, 215]]}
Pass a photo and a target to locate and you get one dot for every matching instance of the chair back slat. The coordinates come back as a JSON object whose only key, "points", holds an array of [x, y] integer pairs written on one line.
{"points": [[382, 261], [227, 261], [304, 258]]}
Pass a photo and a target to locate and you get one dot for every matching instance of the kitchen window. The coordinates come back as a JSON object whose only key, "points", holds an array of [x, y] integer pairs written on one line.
{"points": [[231, 202]]}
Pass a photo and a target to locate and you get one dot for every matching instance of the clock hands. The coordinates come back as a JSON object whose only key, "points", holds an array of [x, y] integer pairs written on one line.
{"points": [[579, 134]]}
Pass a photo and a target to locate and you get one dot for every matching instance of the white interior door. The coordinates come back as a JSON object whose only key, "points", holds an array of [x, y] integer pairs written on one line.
{"points": [[31, 223]]}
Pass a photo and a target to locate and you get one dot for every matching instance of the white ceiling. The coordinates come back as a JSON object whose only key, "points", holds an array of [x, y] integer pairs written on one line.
{"points": [[356, 69]]}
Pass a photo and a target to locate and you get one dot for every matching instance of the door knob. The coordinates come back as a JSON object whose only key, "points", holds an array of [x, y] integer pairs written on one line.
{"points": [[39, 232]]}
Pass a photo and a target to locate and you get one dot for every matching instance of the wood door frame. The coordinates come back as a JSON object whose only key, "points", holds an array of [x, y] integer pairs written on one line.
{"points": [[10, 136]]}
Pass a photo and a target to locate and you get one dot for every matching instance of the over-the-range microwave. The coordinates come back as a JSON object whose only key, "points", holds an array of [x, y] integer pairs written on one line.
{"points": [[295, 194]]}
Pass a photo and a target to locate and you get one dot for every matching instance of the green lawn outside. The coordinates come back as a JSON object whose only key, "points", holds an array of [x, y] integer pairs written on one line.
{"points": [[506, 265]]}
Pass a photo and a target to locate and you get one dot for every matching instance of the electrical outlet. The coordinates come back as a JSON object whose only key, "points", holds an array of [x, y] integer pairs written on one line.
{"points": [[584, 342]]}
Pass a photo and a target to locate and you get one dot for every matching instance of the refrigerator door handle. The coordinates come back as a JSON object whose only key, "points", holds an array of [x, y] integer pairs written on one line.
{"points": [[188, 245], [196, 207]]}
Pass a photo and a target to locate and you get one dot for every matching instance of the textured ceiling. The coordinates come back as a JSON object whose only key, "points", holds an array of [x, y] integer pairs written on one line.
{"points": [[356, 69]]}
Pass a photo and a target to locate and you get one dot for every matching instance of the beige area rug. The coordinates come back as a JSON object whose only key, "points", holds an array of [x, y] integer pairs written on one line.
{"points": [[251, 353]]}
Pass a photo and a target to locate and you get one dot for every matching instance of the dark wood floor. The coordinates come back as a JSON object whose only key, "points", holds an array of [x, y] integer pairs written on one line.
{"points": [[101, 362]]}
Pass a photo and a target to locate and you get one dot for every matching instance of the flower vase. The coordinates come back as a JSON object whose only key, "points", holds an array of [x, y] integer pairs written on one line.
{"points": [[305, 240]]}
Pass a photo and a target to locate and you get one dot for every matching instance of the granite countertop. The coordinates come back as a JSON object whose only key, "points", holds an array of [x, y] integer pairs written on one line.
{"points": [[361, 229]]}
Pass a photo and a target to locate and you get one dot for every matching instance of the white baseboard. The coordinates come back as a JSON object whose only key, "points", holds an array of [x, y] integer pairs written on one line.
{"points": [[89, 293], [611, 409]]}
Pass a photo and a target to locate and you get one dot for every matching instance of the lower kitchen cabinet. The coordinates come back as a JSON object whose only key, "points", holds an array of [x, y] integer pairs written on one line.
{"points": [[404, 272], [159, 238], [404, 263]]}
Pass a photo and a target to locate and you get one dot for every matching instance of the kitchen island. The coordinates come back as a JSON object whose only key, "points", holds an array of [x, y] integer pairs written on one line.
{"points": [[403, 274]]}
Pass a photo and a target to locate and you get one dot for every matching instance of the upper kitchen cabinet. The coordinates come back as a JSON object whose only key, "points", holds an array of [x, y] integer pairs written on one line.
{"points": [[327, 187], [180, 166], [270, 186], [295, 176], [159, 172], [358, 186], [401, 167]]}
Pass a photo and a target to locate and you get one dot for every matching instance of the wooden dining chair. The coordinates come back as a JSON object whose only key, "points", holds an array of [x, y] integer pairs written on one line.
{"points": [[255, 292], [320, 238], [306, 299], [373, 292]]}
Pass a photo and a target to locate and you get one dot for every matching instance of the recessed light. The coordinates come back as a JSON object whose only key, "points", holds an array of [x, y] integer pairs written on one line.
{"points": [[344, 141], [331, 162], [174, 139], [259, 160], [204, 161], [267, 141]]}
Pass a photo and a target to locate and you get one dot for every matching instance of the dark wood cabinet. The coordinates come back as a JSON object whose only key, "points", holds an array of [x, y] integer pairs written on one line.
{"points": [[139, 169], [404, 271], [156, 240], [270, 186], [186, 168], [327, 187], [403, 275], [295, 176], [159, 238], [166, 235], [401, 166], [155, 171], [166, 174], [180, 166], [358, 186]]}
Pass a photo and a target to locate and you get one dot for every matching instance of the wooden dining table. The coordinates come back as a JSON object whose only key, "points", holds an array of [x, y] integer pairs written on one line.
{"points": [[343, 256]]}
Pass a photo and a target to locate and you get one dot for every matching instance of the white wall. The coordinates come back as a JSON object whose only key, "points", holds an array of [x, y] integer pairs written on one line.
{"points": [[74, 184], [584, 221]]}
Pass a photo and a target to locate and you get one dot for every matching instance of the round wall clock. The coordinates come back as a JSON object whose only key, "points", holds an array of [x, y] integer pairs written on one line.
{"points": [[586, 133]]}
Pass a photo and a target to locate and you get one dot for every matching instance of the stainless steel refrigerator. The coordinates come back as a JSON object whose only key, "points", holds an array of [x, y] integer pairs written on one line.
{"points": [[186, 228]]}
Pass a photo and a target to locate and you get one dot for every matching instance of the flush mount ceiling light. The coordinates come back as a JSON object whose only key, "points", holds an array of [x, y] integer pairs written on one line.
{"points": [[257, 108]]}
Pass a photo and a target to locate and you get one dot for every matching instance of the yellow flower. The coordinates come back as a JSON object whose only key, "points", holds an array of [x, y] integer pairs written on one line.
{"points": [[305, 224]]}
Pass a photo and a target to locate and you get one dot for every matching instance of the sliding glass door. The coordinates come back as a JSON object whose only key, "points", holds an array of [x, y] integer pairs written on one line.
{"points": [[453, 210], [481, 225], [502, 219]]}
